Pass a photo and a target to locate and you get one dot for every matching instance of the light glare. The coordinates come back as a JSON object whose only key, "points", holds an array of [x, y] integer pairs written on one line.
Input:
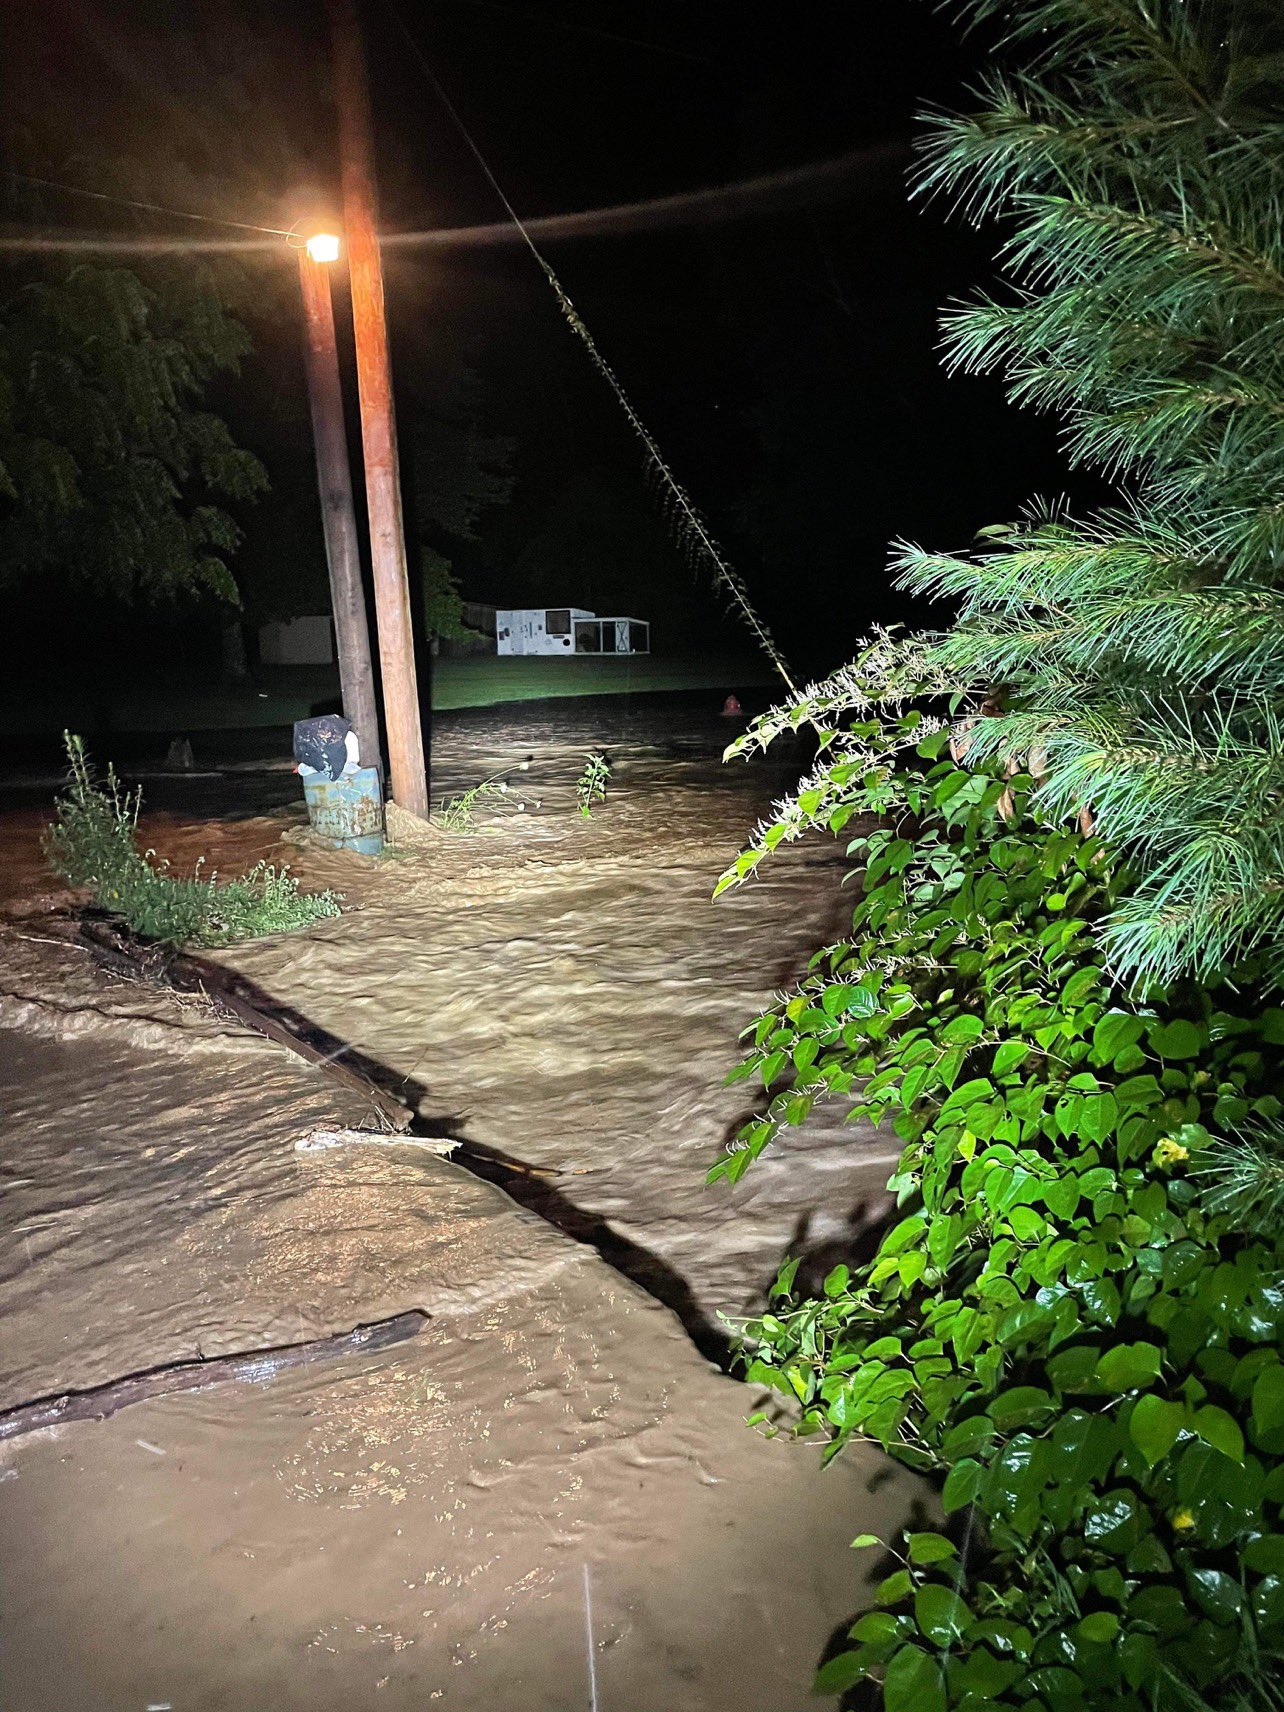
{"points": [[323, 247]]}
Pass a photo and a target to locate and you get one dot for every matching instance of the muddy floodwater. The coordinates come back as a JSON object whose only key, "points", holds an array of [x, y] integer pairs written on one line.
{"points": [[549, 1498]]}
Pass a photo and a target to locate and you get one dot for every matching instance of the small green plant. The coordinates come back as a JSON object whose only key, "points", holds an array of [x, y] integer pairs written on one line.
{"points": [[92, 843], [455, 814], [590, 787]]}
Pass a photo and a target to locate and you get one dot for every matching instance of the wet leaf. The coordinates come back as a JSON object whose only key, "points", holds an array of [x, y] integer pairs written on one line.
{"points": [[913, 1683], [930, 1548], [1268, 1399], [1154, 1425], [941, 1613]]}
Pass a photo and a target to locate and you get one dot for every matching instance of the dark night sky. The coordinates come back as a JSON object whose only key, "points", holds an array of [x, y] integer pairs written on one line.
{"points": [[786, 362], [792, 354]]}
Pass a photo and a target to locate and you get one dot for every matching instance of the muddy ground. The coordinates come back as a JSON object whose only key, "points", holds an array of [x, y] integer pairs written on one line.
{"points": [[549, 1498]]}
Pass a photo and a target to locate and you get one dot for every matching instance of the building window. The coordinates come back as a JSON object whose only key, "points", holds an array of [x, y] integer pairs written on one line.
{"points": [[558, 622]]}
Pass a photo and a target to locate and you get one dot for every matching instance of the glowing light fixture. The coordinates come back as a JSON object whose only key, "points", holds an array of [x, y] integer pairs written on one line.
{"points": [[323, 247]]}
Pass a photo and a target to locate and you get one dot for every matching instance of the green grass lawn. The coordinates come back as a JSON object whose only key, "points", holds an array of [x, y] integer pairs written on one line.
{"points": [[281, 694], [482, 680]]}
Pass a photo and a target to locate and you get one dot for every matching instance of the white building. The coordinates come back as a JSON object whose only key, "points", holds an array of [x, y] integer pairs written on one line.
{"points": [[568, 630]]}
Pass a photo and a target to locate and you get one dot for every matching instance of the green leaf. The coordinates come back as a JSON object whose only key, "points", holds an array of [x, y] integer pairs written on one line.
{"points": [[1218, 1593], [913, 1683], [1159, 1608], [1139, 1091], [805, 1052], [881, 1627], [1027, 1224], [1078, 987], [913, 1085], [961, 1031], [1009, 1055], [1177, 1039], [894, 1588], [1098, 1116], [863, 1540], [1099, 1627], [1219, 1429], [838, 1674], [961, 1484], [861, 1003], [1268, 1399], [941, 1614], [1083, 1448], [771, 1067], [1268, 1603], [1113, 1521], [1113, 1032], [971, 1093], [1062, 1197], [929, 1548], [1015, 1408], [1154, 1426], [1129, 1366], [1265, 1554], [1076, 1368]]}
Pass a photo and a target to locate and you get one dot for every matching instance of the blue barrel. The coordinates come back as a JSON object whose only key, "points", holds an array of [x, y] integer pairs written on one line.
{"points": [[347, 813]]}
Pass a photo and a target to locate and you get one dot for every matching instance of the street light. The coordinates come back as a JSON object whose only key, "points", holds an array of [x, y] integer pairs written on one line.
{"points": [[323, 247]]}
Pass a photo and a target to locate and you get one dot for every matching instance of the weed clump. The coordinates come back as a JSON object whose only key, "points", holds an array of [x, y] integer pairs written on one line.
{"points": [[92, 843], [455, 814]]}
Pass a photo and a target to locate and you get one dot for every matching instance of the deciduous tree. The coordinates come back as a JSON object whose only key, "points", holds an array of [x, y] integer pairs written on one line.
{"points": [[112, 475]]}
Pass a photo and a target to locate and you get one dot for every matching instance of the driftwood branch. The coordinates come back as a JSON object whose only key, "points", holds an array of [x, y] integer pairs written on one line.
{"points": [[186, 972], [254, 1367]]}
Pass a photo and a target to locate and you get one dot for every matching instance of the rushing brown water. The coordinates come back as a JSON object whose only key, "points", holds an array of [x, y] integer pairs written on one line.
{"points": [[433, 1524]]}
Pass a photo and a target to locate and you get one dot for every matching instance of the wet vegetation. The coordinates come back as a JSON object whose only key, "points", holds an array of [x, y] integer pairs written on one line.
{"points": [[1061, 984], [92, 843], [1076, 1319], [590, 787]]}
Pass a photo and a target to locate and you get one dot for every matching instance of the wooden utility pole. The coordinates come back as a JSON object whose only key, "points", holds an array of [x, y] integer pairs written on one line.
{"points": [[334, 479], [378, 428]]}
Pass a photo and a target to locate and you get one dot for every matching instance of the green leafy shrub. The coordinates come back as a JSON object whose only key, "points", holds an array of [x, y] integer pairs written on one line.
{"points": [[1077, 1319], [92, 843]]}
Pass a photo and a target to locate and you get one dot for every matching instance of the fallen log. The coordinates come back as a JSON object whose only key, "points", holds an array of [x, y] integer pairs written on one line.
{"points": [[186, 972], [254, 1367], [124, 953]]}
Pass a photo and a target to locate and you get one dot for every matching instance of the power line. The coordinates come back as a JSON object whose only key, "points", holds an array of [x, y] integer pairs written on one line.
{"points": [[772, 193], [104, 244], [817, 183], [146, 207], [682, 503]]}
